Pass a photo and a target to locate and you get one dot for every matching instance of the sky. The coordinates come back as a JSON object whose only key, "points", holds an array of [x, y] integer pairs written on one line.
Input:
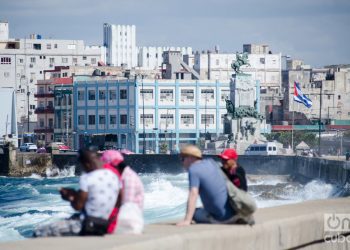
{"points": [[315, 31]]}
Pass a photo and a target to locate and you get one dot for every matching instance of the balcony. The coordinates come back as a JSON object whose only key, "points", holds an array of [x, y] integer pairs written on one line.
{"points": [[43, 95], [43, 130], [44, 110]]}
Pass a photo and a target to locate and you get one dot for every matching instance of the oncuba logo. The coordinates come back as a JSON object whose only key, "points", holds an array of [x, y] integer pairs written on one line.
{"points": [[336, 222]]}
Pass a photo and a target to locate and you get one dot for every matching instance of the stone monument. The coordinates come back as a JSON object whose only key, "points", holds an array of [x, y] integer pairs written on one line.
{"points": [[242, 121]]}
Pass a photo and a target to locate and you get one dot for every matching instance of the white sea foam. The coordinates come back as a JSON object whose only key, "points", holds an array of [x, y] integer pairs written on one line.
{"points": [[55, 172]]}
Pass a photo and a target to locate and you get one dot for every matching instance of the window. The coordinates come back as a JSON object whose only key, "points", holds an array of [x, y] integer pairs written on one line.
{"points": [[91, 119], [147, 94], [123, 119], [222, 118], [147, 117], [81, 96], [123, 94], [32, 59], [52, 60], [339, 97], [217, 62], [187, 119], [112, 119], [6, 74], [75, 60], [167, 119], [71, 46], [102, 119], [32, 106], [187, 95], [55, 46], [207, 119], [93, 60], [37, 46], [225, 94], [274, 148], [207, 94], [20, 60], [166, 94], [270, 148], [6, 60], [48, 46], [92, 96], [112, 95], [328, 97], [41, 123], [102, 94], [262, 60], [84, 57], [64, 60], [65, 74], [41, 90]]}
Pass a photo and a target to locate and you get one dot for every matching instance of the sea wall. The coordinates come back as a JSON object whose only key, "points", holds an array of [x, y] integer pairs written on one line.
{"points": [[296, 226], [25, 164]]}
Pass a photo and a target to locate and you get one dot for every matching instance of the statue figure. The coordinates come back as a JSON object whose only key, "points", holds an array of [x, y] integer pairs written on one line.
{"points": [[241, 112], [240, 61]]}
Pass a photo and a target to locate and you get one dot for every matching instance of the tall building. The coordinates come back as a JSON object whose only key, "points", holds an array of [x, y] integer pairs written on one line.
{"points": [[120, 43], [264, 67], [147, 114], [329, 86], [152, 57], [23, 61]]}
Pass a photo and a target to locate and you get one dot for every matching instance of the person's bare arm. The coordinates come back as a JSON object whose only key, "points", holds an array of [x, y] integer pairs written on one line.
{"points": [[78, 200], [191, 207]]}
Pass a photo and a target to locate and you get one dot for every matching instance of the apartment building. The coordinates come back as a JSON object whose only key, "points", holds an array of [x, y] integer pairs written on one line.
{"points": [[23, 62], [147, 114]]}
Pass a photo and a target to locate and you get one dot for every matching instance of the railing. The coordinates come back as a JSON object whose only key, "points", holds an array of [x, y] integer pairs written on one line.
{"points": [[43, 130], [44, 110], [42, 95]]}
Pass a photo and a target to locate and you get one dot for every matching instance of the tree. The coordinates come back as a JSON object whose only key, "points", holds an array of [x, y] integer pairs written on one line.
{"points": [[285, 137], [163, 147]]}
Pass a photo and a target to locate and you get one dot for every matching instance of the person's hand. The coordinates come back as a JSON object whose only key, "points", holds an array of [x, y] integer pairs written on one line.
{"points": [[183, 223], [67, 194]]}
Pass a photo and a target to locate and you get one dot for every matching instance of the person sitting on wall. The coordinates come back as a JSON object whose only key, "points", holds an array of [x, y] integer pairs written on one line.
{"points": [[95, 200], [206, 181], [232, 169], [130, 216]]}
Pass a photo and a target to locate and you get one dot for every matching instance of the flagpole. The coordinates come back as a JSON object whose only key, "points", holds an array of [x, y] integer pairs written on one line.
{"points": [[293, 126]]}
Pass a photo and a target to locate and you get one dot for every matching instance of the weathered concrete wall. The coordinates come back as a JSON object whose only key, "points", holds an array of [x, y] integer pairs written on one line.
{"points": [[4, 161], [283, 227], [25, 164], [330, 171]]}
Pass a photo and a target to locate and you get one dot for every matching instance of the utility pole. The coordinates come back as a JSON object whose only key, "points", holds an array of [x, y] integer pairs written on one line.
{"points": [[319, 122], [28, 117], [143, 117]]}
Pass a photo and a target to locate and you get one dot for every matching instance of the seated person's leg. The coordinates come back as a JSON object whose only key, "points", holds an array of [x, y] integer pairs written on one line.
{"points": [[68, 227], [202, 216]]}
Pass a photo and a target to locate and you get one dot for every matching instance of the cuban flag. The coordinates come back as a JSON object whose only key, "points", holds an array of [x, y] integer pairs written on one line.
{"points": [[300, 97]]}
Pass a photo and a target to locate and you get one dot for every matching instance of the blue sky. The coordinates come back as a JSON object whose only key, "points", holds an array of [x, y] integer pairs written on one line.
{"points": [[316, 31]]}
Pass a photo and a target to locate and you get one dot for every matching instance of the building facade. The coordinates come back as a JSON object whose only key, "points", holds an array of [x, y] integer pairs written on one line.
{"points": [[23, 61], [152, 57], [120, 43], [328, 87], [63, 116], [264, 67], [147, 114]]}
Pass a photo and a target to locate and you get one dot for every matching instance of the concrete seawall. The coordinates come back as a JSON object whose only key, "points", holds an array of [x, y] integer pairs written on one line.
{"points": [[285, 227]]}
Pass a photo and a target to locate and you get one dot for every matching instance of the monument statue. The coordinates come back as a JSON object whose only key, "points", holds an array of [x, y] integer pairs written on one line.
{"points": [[240, 61]]}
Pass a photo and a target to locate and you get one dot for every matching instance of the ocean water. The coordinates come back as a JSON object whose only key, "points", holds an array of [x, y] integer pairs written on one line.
{"points": [[28, 202]]}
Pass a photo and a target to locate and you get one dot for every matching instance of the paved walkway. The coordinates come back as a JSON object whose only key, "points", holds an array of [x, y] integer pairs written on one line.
{"points": [[281, 227]]}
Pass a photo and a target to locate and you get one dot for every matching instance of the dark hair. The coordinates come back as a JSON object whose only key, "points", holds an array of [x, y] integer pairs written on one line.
{"points": [[84, 154], [122, 165]]}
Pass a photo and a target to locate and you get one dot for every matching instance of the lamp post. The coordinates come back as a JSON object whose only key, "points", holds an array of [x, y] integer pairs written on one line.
{"points": [[28, 112], [143, 117]]}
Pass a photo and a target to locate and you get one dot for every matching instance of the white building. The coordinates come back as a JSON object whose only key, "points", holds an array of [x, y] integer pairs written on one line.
{"points": [[152, 57], [8, 121], [120, 43], [23, 61], [147, 113], [264, 67]]}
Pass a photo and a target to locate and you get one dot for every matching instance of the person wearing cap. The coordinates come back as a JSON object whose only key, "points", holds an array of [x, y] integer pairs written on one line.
{"points": [[232, 169], [206, 181]]}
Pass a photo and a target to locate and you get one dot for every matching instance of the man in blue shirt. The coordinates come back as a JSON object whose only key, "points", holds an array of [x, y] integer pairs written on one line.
{"points": [[207, 181]]}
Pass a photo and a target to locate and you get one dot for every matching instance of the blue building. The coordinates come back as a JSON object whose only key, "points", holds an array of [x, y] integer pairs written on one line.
{"points": [[147, 115]]}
